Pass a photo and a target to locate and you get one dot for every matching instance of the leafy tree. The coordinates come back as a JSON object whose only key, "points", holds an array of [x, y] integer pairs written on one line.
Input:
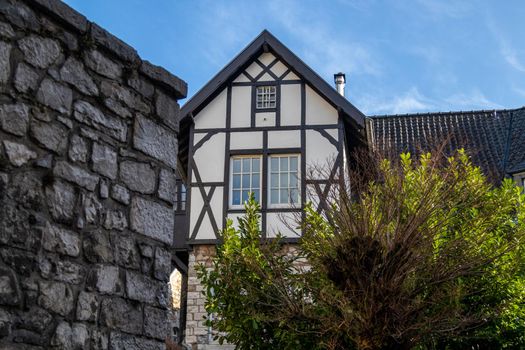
{"points": [[425, 254]]}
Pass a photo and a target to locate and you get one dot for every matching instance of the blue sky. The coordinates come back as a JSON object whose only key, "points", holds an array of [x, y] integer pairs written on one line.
{"points": [[399, 56]]}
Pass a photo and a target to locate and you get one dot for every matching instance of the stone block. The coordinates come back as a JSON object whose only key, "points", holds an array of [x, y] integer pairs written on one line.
{"points": [[117, 313], [105, 279], [120, 194], [90, 115], [126, 252], [104, 160], [20, 15], [141, 86], [55, 95], [97, 247], [167, 109], [155, 324], [14, 118], [139, 177], [57, 239], [56, 297], [65, 13], [152, 219], [178, 87], [87, 307], [38, 51], [155, 141], [113, 44], [5, 62], [36, 319], [9, 289], [26, 78], [78, 149], [70, 337], [18, 154], [167, 186], [115, 219], [51, 136], [61, 199], [102, 65], [73, 73], [163, 267], [124, 95], [144, 289], [92, 208], [6, 30], [76, 175]]}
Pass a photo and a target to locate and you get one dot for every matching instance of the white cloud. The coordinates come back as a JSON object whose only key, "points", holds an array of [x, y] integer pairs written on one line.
{"points": [[411, 101], [515, 58], [474, 99], [446, 8]]}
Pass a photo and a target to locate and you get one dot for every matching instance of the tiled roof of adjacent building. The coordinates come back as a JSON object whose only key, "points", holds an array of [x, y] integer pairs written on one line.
{"points": [[495, 139]]}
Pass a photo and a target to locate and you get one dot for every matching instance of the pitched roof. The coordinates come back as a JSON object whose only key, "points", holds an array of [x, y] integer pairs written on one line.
{"points": [[266, 41], [495, 139]]}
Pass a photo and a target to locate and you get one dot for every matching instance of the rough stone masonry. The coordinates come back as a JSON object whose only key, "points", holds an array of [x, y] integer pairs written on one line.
{"points": [[86, 223]]}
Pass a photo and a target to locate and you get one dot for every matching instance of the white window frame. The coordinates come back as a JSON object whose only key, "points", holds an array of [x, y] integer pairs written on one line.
{"points": [[269, 184], [251, 156], [272, 90]]}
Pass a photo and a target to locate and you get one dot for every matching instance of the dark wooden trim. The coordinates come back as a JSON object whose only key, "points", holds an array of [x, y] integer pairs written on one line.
{"points": [[211, 183], [188, 183], [203, 140], [303, 149], [278, 106], [264, 83], [264, 185], [252, 107], [264, 150], [267, 210], [269, 128], [329, 137], [206, 208]]}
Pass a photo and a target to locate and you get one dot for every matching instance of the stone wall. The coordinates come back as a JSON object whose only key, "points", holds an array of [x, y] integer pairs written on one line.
{"points": [[88, 146]]}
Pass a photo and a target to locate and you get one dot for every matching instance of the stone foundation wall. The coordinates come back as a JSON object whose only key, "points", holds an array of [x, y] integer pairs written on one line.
{"points": [[88, 150]]}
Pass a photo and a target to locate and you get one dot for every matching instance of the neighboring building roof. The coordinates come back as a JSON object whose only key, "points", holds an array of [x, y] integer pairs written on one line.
{"points": [[494, 139]]}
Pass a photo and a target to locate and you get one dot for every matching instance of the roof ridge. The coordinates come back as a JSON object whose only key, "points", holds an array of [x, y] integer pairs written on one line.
{"points": [[379, 116]]}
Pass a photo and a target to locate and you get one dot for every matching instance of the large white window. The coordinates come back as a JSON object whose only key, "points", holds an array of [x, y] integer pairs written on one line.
{"points": [[266, 97], [245, 178], [283, 180]]}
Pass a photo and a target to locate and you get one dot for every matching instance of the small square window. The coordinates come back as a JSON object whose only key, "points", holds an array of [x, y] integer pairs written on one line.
{"points": [[180, 197], [266, 97]]}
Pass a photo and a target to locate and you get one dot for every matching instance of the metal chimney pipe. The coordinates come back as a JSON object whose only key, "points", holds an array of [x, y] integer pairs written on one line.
{"points": [[340, 82]]}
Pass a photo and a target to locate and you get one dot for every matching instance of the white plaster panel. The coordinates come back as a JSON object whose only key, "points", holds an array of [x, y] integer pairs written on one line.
{"points": [[241, 78], [279, 222], [210, 157], [284, 139], [266, 77], [265, 119], [254, 69], [291, 104], [291, 76], [266, 58], [246, 140], [197, 136], [216, 204], [278, 69], [205, 229], [320, 153], [318, 111], [214, 114], [241, 106]]}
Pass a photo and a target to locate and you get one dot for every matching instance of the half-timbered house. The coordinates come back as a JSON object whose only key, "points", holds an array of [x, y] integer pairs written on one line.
{"points": [[264, 120]]}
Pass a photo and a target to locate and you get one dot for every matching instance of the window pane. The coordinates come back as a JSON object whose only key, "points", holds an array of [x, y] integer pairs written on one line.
{"points": [[274, 180], [284, 180], [274, 164], [256, 195], [274, 196], [245, 196], [236, 181], [246, 165], [256, 165], [284, 163], [293, 179], [284, 196], [236, 200], [236, 165], [293, 163], [255, 181], [245, 181], [294, 196]]}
